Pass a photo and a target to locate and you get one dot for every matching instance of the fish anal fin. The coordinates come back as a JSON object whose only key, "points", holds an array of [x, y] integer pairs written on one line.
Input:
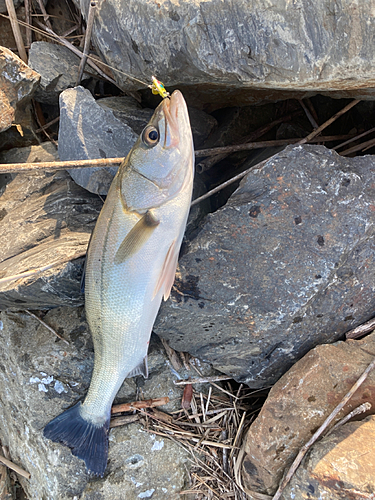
{"points": [[136, 237], [167, 275], [141, 369]]}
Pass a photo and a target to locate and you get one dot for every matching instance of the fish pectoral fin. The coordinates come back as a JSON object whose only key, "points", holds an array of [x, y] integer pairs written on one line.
{"points": [[168, 272], [136, 237], [141, 369]]}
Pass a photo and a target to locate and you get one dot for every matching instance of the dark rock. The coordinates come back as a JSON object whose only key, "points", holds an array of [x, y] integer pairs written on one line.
{"points": [[284, 266], [242, 52], [299, 403], [128, 111], [58, 67], [341, 466], [45, 219], [40, 376], [17, 84], [46, 151], [88, 130], [3, 6]]}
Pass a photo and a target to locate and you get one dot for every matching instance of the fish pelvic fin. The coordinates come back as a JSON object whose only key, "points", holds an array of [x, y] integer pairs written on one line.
{"points": [[87, 441], [141, 369], [136, 237]]}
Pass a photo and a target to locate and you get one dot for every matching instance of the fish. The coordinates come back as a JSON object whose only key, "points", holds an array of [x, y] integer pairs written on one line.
{"points": [[130, 267]]}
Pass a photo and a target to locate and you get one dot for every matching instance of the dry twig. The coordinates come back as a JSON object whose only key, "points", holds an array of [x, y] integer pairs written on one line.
{"points": [[333, 118], [16, 30], [49, 328], [86, 48], [361, 330], [137, 405], [15, 467]]}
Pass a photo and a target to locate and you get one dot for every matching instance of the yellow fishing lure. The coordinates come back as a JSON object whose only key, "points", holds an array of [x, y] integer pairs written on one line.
{"points": [[158, 88]]}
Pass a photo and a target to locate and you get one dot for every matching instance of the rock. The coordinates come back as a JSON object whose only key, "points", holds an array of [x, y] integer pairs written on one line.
{"points": [[32, 154], [40, 376], [17, 84], [239, 53], [284, 266], [299, 403], [3, 6], [129, 111], [45, 219], [88, 130], [340, 466], [58, 67], [44, 152]]}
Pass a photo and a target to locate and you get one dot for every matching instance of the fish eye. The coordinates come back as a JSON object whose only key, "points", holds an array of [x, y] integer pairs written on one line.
{"points": [[150, 136]]}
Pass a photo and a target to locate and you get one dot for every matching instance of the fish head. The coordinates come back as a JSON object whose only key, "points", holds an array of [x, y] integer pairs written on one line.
{"points": [[161, 163]]}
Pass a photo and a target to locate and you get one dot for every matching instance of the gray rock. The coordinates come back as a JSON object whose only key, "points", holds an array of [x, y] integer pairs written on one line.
{"points": [[40, 376], [3, 6], [128, 111], [284, 266], [46, 151], [45, 219], [58, 67], [239, 52], [131, 112], [339, 466], [88, 130], [17, 84]]}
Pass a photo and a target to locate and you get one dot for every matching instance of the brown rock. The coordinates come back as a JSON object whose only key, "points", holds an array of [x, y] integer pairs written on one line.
{"points": [[341, 466], [17, 82], [300, 402]]}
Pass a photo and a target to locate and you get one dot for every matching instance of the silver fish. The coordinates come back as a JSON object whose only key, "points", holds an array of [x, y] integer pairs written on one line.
{"points": [[131, 264]]}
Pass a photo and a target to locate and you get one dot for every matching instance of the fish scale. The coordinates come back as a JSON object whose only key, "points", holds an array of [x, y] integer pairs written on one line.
{"points": [[131, 263]]}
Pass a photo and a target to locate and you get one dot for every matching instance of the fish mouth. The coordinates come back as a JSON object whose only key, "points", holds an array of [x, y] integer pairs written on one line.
{"points": [[171, 108]]}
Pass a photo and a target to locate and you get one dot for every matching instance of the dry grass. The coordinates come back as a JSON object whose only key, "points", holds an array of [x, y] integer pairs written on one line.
{"points": [[212, 431]]}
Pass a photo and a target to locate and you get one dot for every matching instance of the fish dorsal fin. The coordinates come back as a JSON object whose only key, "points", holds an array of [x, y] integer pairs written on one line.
{"points": [[167, 275], [136, 237], [141, 369]]}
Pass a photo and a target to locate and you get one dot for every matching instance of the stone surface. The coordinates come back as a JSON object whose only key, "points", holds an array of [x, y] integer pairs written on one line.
{"points": [[17, 83], [45, 219], [241, 52], [88, 130], [285, 265], [40, 376], [341, 466], [46, 151], [299, 403], [3, 6], [58, 67]]}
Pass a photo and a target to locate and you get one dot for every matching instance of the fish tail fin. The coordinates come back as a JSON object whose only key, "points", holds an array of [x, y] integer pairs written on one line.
{"points": [[86, 440]]}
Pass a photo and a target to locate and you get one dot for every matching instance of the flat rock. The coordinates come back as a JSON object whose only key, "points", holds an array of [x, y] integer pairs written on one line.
{"points": [[46, 219], [88, 131], [297, 406], [58, 67], [243, 52], [40, 376], [340, 466], [17, 84], [284, 266]]}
